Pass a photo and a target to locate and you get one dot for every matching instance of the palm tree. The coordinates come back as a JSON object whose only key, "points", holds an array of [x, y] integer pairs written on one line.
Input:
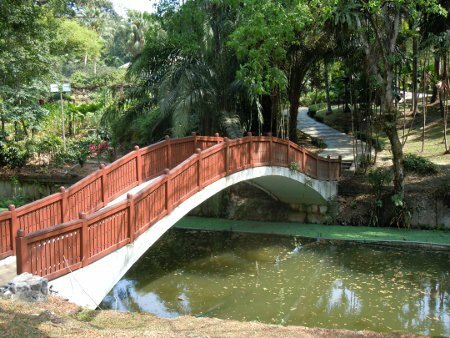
{"points": [[185, 79]]}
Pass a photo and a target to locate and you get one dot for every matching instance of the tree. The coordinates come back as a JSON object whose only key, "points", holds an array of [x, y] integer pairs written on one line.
{"points": [[78, 42], [277, 42], [381, 22], [185, 77], [25, 37]]}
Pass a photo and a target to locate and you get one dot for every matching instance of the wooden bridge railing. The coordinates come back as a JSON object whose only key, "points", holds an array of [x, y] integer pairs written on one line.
{"points": [[57, 250], [98, 189]]}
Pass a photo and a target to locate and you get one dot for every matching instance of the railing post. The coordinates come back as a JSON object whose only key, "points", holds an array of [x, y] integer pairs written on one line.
{"points": [[270, 148], [227, 156], [169, 192], [250, 151], [104, 184], [304, 160], [317, 166], [84, 240], [217, 136], [131, 217], [198, 151], [14, 227], [138, 164], [23, 263], [169, 152], [288, 157], [340, 167], [64, 205], [194, 135], [329, 168]]}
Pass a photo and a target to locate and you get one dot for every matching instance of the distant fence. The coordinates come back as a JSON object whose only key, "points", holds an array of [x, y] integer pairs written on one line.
{"points": [[56, 250]]}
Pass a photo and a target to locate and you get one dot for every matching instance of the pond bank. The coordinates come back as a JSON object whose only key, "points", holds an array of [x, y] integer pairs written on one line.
{"points": [[428, 238], [57, 318]]}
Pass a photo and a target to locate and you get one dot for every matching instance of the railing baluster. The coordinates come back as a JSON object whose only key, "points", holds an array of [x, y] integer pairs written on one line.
{"points": [[169, 152], [14, 226], [84, 240], [104, 184], [329, 167], [288, 155], [22, 252], [168, 191], [250, 150], [138, 164], [227, 155], [64, 205], [131, 217], [198, 151]]}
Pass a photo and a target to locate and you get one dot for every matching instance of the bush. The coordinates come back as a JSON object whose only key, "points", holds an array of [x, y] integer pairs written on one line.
{"points": [[419, 165], [77, 150], [377, 144], [312, 113], [319, 118], [318, 142], [13, 156]]}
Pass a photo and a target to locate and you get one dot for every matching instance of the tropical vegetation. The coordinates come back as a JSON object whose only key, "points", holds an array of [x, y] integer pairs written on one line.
{"points": [[376, 69]]}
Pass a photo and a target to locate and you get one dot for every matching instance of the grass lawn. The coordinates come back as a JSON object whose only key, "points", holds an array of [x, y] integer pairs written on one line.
{"points": [[354, 233]]}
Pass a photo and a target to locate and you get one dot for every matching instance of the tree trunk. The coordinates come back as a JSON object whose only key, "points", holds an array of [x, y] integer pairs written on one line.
{"points": [[414, 75], [300, 64], [437, 66], [24, 127], [444, 95], [274, 111], [390, 128], [266, 104], [71, 118], [327, 88]]}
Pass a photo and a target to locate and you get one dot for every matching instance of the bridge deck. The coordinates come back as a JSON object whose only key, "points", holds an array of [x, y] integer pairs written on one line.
{"points": [[120, 207]]}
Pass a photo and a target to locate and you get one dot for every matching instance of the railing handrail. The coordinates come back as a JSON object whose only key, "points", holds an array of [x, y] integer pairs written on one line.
{"points": [[119, 224]]}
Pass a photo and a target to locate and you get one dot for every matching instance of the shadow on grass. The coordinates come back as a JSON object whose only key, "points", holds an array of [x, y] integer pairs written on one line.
{"points": [[16, 324]]}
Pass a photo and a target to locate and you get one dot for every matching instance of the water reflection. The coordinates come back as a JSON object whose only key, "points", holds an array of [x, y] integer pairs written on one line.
{"points": [[290, 282]]}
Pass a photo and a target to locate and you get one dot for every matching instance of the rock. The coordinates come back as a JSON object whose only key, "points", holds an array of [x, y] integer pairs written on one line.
{"points": [[50, 316], [26, 287]]}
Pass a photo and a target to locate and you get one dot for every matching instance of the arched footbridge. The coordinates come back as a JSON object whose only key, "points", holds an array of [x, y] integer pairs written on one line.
{"points": [[85, 238]]}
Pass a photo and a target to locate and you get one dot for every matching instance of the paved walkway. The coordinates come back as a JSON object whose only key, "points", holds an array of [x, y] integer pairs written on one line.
{"points": [[337, 143]]}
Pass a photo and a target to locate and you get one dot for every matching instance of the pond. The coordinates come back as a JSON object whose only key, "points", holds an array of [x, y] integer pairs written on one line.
{"points": [[289, 281]]}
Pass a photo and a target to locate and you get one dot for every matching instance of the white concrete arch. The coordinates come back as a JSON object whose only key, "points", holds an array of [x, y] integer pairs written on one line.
{"points": [[89, 285]]}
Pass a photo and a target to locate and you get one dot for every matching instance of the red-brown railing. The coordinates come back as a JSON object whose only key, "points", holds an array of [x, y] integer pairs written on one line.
{"points": [[98, 189], [57, 250]]}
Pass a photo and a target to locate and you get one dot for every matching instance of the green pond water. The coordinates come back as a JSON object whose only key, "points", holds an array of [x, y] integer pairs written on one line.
{"points": [[289, 281]]}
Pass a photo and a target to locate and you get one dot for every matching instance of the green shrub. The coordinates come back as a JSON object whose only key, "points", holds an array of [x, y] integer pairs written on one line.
{"points": [[419, 165], [377, 144], [13, 156], [318, 142], [312, 113], [319, 118], [17, 201]]}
